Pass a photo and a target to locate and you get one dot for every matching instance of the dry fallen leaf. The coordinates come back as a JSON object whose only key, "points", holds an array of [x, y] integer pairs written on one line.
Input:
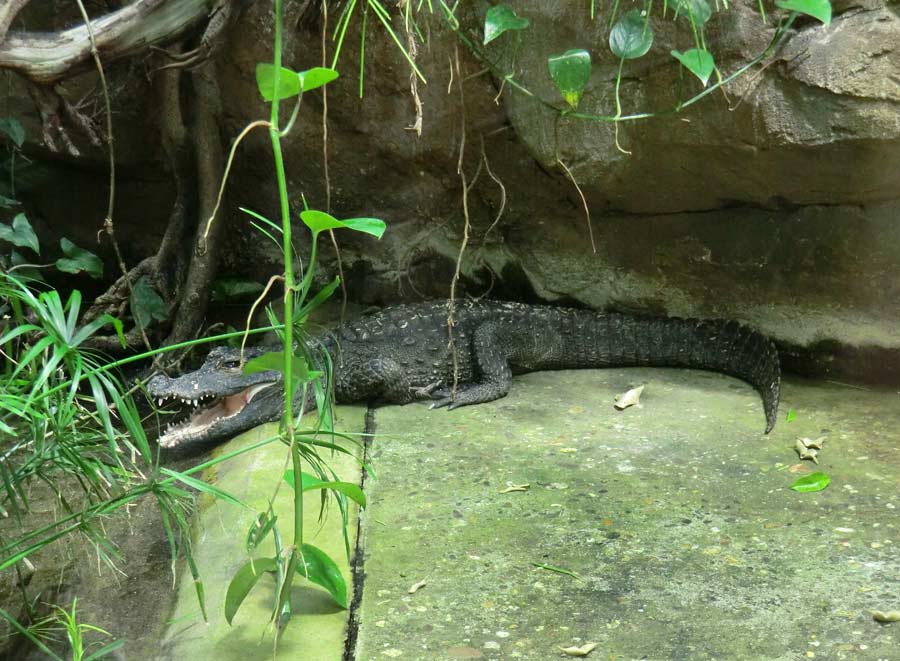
{"points": [[805, 451], [814, 443], [629, 398], [516, 487], [889, 616], [584, 650], [415, 586]]}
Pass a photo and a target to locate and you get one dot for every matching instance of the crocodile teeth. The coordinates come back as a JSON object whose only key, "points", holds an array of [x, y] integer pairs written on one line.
{"points": [[194, 402], [159, 402]]}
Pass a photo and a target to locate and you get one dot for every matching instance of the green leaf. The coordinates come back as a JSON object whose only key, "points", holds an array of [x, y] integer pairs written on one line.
{"points": [[698, 10], [310, 482], [818, 9], [319, 221], [811, 482], [791, 415], [13, 128], [244, 580], [499, 19], [571, 72], [231, 289], [316, 77], [260, 529], [319, 568], [289, 82], [274, 361], [372, 226], [698, 61], [20, 234], [146, 305], [631, 36], [78, 259], [8, 202]]}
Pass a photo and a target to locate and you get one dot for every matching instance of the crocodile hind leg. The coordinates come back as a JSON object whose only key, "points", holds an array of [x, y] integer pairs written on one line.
{"points": [[492, 364]]}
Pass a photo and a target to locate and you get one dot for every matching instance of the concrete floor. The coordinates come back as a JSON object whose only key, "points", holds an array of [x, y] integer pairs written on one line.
{"points": [[675, 517]]}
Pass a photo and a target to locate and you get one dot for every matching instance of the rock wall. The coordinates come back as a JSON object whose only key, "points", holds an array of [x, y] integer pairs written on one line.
{"points": [[775, 203]]}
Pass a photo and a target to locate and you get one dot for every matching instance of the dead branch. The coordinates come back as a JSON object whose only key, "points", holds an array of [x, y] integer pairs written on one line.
{"points": [[47, 57]]}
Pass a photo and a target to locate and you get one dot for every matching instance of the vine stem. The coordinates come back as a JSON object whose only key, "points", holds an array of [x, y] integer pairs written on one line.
{"points": [[287, 420]]}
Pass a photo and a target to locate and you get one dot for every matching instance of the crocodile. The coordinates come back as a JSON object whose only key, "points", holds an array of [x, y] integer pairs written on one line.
{"points": [[404, 353]]}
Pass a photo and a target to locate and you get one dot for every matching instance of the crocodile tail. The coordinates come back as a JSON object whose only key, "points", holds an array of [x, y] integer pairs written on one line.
{"points": [[720, 346]]}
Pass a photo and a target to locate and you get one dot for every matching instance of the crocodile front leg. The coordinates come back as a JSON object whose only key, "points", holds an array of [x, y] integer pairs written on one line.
{"points": [[492, 363]]}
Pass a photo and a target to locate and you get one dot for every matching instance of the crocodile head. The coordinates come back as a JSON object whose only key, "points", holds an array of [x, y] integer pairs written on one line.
{"points": [[224, 402]]}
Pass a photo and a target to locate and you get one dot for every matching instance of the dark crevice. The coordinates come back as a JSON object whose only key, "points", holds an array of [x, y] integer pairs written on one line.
{"points": [[358, 562]]}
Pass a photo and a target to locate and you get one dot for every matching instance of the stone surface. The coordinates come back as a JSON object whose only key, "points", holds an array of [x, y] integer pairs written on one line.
{"points": [[676, 517], [317, 628]]}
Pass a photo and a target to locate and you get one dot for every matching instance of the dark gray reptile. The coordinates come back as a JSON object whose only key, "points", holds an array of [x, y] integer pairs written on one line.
{"points": [[401, 354]]}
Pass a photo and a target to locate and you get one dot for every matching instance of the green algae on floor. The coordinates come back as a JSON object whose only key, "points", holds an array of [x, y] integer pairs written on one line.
{"points": [[317, 629], [675, 516]]}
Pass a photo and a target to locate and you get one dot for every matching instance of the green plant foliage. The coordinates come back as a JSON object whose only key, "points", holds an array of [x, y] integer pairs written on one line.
{"points": [[244, 580], [290, 83], [7, 202], [698, 11], [631, 37], [571, 72], [13, 128], [310, 482], [234, 289], [320, 569], [791, 415], [78, 259], [274, 361], [20, 234], [317, 77], [811, 482], [818, 9], [499, 19], [319, 221], [698, 61], [146, 305]]}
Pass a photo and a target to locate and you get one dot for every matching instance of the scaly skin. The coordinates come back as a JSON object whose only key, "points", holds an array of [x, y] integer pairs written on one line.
{"points": [[402, 354]]}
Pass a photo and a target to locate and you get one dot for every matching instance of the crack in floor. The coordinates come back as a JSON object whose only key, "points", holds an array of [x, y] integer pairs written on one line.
{"points": [[357, 563]]}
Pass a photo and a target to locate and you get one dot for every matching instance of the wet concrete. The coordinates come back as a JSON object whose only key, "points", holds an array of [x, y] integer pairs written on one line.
{"points": [[675, 517]]}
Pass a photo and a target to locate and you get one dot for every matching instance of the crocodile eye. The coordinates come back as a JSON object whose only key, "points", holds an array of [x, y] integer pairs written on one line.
{"points": [[231, 364]]}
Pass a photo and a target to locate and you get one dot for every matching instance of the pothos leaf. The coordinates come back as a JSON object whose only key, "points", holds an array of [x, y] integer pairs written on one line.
{"points": [[698, 61], [78, 259], [499, 19], [631, 36], [571, 72]]}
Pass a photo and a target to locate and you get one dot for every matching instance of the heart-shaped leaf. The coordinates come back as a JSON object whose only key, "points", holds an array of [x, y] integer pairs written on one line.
{"points": [[146, 305], [19, 233], [316, 77], [811, 482], [571, 72], [244, 580], [631, 36], [319, 568], [697, 10], [13, 128], [499, 19], [231, 289], [78, 259], [818, 9], [698, 61], [289, 82], [319, 221]]}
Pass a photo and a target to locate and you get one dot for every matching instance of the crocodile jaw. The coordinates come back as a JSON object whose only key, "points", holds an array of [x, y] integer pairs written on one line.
{"points": [[205, 419]]}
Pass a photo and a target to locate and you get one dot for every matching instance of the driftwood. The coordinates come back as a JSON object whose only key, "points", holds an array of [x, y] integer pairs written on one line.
{"points": [[46, 58]]}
